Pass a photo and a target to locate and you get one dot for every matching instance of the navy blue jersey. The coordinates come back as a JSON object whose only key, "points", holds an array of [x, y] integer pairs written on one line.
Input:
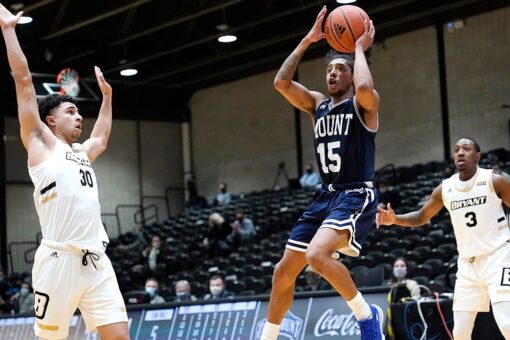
{"points": [[344, 146]]}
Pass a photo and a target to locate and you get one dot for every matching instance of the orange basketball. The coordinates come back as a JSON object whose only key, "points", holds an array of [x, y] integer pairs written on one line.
{"points": [[343, 26]]}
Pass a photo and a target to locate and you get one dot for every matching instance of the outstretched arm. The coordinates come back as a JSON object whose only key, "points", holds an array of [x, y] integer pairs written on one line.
{"points": [[96, 144], [502, 188], [415, 218], [35, 135], [294, 92], [366, 96]]}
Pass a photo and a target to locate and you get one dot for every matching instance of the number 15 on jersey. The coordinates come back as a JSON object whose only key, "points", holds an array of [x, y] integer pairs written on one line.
{"points": [[333, 162]]}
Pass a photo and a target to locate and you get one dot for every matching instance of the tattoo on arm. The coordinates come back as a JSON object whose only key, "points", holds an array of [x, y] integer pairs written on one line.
{"points": [[288, 68]]}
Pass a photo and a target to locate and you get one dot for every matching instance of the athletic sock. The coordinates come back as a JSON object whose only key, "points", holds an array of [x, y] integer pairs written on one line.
{"points": [[270, 331], [359, 307]]}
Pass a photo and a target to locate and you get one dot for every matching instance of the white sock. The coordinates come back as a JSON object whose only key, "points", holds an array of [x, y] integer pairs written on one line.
{"points": [[270, 331], [359, 307]]}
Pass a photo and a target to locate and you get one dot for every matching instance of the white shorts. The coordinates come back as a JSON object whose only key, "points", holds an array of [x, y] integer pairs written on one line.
{"points": [[62, 284], [482, 280]]}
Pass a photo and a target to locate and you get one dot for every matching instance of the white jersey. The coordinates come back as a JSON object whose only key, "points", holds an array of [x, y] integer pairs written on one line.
{"points": [[66, 199], [476, 212]]}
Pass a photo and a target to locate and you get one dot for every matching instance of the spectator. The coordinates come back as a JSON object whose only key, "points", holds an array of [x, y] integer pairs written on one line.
{"points": [[24, 299], [151, 252], [310, 179], [314, 281], [216, 242], [497, 170], [242, 229], [399, 276], [217, 289], [223, 197], [152, 287], [183, 292]]}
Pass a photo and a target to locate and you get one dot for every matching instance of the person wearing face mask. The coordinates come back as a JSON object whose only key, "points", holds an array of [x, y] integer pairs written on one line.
{"points": [[217, 289], [310, 179], [183, 292], [223, 197], [399, 275], [24, 299], [152, 252], [151, 287], [314, 281], [242, 229]]}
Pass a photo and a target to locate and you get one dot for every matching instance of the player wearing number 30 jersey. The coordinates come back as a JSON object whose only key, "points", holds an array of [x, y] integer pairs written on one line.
{"points": [[343, 210], [71, 269], [474, 200]]}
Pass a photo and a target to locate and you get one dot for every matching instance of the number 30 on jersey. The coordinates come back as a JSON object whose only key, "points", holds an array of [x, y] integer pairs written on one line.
{"points": [[333, 162]]}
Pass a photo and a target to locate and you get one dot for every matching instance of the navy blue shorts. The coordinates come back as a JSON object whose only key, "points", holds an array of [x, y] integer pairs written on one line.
{"points": [[351, 206]]}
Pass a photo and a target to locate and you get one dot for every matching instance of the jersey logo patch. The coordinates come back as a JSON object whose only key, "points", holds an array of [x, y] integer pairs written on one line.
{"points": [[468, 202], [505, 277], [481, 183]]}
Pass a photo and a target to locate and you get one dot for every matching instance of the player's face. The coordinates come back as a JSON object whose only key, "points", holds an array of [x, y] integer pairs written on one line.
{"points": [[67, 121], [338, 77], [465, 155]]}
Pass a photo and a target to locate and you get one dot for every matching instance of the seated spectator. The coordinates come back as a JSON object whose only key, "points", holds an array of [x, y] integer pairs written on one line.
{"points": [[151, 252], [183, 292], [242, 229], [223, 197], [152, 287], [217, 289], [23, 301], [310, 179], [216, 242], [399, 276], [314, 281], [497, 170]]}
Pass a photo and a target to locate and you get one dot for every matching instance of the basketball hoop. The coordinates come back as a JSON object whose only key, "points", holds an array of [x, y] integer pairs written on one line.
{"points": [[68, 79]]}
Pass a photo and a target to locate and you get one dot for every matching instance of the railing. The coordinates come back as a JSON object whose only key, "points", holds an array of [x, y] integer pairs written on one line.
{"points": [[387, 174], [21, 256]]}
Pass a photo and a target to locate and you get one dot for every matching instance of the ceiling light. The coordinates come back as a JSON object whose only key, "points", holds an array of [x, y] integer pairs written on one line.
{"points": [[227, 38], [345, 1], [25, 20], [128, 72]]}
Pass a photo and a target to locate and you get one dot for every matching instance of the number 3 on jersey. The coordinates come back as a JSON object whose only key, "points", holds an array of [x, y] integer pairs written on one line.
{"points": [[86, 178], [334, 162]]}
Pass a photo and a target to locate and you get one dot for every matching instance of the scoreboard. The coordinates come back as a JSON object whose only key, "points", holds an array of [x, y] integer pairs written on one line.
{"points": [[326, 317]]}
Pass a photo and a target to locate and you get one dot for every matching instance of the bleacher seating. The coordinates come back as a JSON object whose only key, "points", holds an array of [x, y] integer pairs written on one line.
{"points": [[248, 269]]}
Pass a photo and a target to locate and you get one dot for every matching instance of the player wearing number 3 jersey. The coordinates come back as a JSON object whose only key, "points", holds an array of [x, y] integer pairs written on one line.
{"points": [[343, 211], [70, 269], [474, 199]]}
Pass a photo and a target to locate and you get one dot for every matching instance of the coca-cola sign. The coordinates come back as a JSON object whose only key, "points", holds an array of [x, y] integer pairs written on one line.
{"points": [[333, 324]]}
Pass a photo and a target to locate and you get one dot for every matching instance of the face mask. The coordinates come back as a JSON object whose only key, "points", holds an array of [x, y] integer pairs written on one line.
{"points": [[399, 272], [216, 290], [181, 296], [23, 291], [151, 291]]}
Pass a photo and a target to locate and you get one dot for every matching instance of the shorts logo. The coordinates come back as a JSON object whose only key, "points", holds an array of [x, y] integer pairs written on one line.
{"points": [[40, 304], [505, 277]]}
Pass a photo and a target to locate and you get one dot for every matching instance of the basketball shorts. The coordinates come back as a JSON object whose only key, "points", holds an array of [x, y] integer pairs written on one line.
{"points": [[351, 207], [63, 283], [482, 280]]}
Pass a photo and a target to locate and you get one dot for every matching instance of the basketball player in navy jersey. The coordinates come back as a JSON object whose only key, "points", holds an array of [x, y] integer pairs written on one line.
{"points": [[71, 269], [473, 197], [343, 211]]}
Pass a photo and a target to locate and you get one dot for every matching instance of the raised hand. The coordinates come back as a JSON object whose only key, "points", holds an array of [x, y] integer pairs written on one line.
{"points": [[7, 19], [106, 89], [367, 38], [316, 33], [385, 217]]}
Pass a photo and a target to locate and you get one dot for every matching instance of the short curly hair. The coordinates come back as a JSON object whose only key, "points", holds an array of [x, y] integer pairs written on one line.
{"points": [[47, 104], [333, 54]]}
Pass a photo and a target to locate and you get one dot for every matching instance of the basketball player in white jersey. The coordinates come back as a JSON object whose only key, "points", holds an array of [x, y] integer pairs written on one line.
{"points": [[71, 269], [474, 198]]}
